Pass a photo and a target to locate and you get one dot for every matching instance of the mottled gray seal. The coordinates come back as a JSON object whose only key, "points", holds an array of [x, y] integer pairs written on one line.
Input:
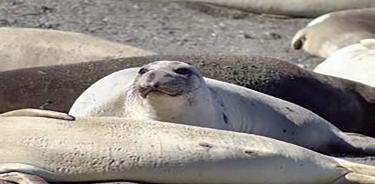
{"points": [[351, 108], [355, 62], [174, 91], [292, 8], [27, 47], [113, 149], [328, 33]]}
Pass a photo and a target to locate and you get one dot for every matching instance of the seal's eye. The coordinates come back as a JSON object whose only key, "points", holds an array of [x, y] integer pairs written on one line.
{"points": [[183, 71], [142, 71]]}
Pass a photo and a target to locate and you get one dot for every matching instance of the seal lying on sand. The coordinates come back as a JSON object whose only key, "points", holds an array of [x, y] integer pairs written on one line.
{"points": [[351, 105], [292, 8], [113, 149], [355, 62], [328, 33], [174, 91], [26, 47]]}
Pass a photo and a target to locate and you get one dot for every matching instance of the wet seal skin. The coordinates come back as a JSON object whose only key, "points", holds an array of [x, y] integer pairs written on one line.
{"points": [[348, 105]]}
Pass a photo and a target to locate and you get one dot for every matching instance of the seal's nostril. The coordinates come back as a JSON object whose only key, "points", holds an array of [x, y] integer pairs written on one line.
{"points": [[156, 85]]}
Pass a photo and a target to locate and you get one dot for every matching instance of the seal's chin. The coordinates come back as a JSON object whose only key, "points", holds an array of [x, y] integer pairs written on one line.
{"points": [[144, 92]]}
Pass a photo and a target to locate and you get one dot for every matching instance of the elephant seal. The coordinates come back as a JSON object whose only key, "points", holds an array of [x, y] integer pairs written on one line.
{"points": [[27, 47], [355, 62], [174, 91], [292, 8], [351, 108], [328, 33], [118, 149]]}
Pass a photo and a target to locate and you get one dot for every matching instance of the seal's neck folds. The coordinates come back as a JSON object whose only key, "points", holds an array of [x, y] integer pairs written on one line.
{"points": [[194, 108]]}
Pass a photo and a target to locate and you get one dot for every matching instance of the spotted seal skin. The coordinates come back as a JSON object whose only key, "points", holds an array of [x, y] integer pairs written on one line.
{"points": [[117, 149], [176, 92], [351, 105], [28, 47], [333, 31]]}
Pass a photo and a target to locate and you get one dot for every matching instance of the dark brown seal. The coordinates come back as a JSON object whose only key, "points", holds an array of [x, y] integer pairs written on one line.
{"points": [[346, 104]]}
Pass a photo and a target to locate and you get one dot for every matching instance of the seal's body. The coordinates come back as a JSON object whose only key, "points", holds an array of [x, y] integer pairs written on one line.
{"points": [[118, 149], [176, 92], [27, 47], [355, 62], [351, 104], [331, 32], [292, 8]]}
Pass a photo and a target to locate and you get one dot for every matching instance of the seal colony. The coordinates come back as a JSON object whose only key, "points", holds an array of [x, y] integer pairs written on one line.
{"points": [[27, 47], [164, 160], [331, 32], [110, 149], [292, 8], [355, 62], [174, 91], [351, 108]]}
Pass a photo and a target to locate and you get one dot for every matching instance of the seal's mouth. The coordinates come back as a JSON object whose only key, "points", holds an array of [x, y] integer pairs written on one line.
{"points": [[145, 91]]}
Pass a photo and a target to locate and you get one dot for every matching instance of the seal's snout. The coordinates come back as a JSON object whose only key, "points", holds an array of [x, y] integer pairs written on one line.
{"points": [[161, 83], [144, 91], [147, 88], [155, 81]]}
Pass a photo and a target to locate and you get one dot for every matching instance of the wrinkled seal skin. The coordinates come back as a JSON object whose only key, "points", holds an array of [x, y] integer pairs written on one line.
{"points": [[292, 8], [348, 105], [115, 149], [331, 32]]}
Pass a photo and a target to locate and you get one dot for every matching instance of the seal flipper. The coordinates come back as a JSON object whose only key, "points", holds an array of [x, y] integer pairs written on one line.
{"points": [[355, 178], [22, 178], [358, 173], [39, 113], [361, 143]]}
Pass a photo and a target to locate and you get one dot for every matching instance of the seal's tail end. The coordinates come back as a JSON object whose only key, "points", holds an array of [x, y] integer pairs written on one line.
{"points": [[298, 40], [358, 173]]}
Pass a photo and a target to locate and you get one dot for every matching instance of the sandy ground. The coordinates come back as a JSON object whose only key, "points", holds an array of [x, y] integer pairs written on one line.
{"points": [[166, 28]]}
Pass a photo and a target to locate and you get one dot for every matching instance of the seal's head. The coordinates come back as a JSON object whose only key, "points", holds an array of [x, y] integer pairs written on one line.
{"points": [[170, 91], [167, 79]]}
